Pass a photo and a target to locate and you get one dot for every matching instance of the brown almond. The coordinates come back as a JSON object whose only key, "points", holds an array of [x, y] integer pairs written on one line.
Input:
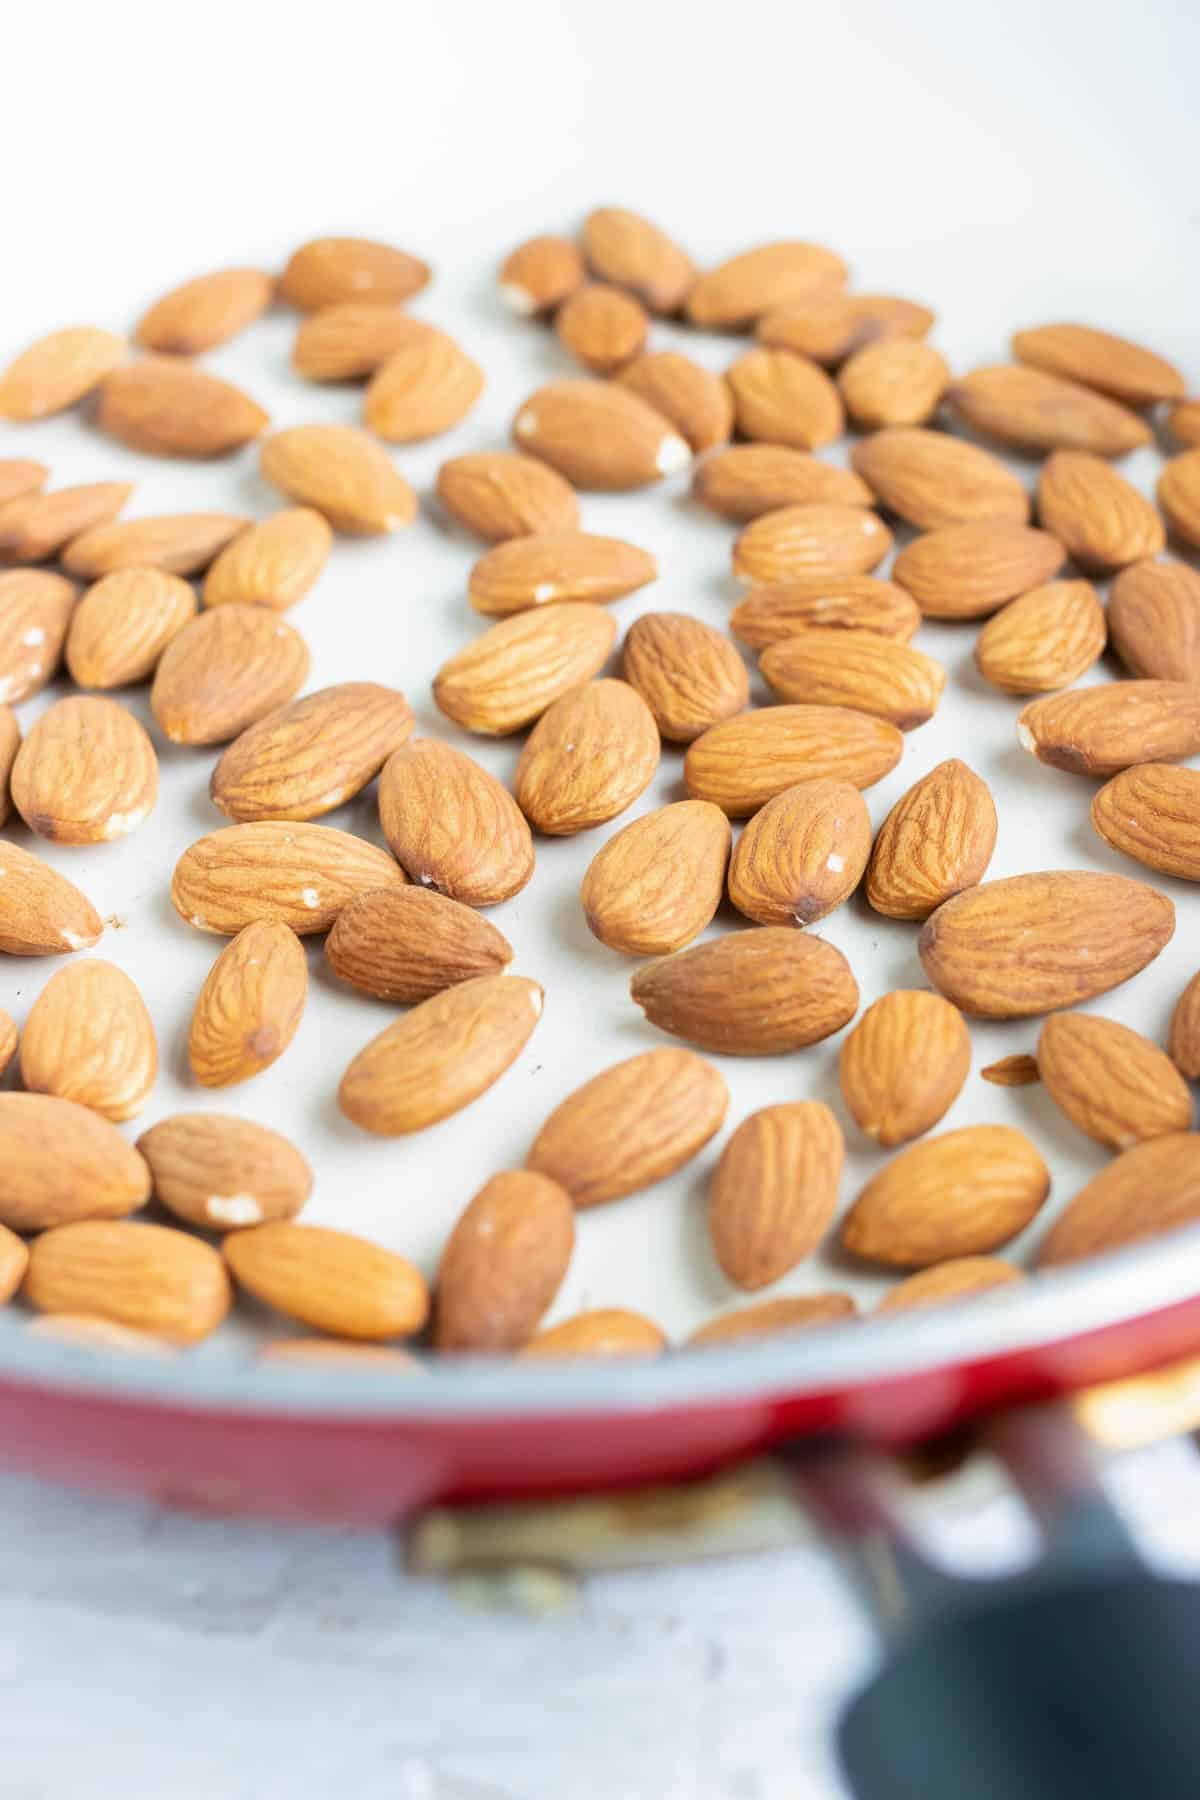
{"points": [[41, 912], [774, 1191], [62, 1162], [540, 273], [1183, 422], [330, 1280], [937, 840], [166, 406], [967, 571], [1102, 521], [206, 311], [1154, 620], [627, 249], [1031, 944], [423, 389], [930, 478], [250, 1006], [57, 371], [512, 672], [802, 541], [19, 476], [657, 883], [1150, 1189], [10, 743], [902, 1066], [405, 943], [302, 874], [1044, 639], [552, 566], [743, 762], [452, 826], [225, 670], [149, 1278], [631, 1125], [220, 1172], [1179, 496], [341, 472], [1183, 1044], [802, 854], [695, 401], [14, 1260], [779, 398], [1101, 730], [1036, 412], [769, 615], [602, 326], [441, 1055], [605, 1331], [123, 624], [960, 1279], [35, 610], [960, 1194], [895, 381], [763, 280], [1101, 360], [326, 270], [273, 564], [829, 326], [1018, 1070], [36, 527], [747, 480], [177, 543], [307, 758], [350, 339], [89, 1038], [874, 675], [1111, 1082], [86, 773], [503, 1262], [588, 757], [1151, 812], [689, 674], [772, 1318], [753, 993], [500, 494], [599, 435]]}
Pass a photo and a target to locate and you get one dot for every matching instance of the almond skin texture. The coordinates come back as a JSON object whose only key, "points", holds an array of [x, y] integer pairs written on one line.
{"points": [[343, 473], [500, 494], [512, 672], [1100, 360], [1150, 1189], [1101, 521], [405, 943], [774, 1191], [698, 403], [326, 270], [802, 855], [89, 1038], [556, 566], [205, 312], [503, 1263], [763, 280], [57, 371], [224, 671], [10, 743], [452, 826], [312, 756], [540, 273], [86, 773], [658, 882], [937, 840], [1102, 730], [1035, 412], [63, 1162], [1151, 812], [1035, 943], [41, 912], [422, 390], [839, 603], [329, 1280], [625, 248], [1183, 1045], [1111, 1082], [602, 326], [1043, 640], [967, 571], [1154, 620], [441, 1055], [220, 1172], [744, 762], [606, 1331], [588, 757], [932, 479], [871, 674], [20, 476], [961, 1194], [148, 1278], [164, 406], [754, 993], [1179, 496], [898, 381], [829, 326], [689, 675], [771, 1318], [961, 1279], [8, 1039], [302, 874], [36, 527], [35, 610], [123, 624], [348, 340], [599, 435], [903, 1065], [250, 1006], [273, 564], [178, 543], [631, 1125], [826, 540], [779, 398], [747, 480]]}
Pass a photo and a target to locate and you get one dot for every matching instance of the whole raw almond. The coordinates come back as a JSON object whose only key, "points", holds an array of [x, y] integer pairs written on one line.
{"points": [[220, 1172], [1044, 639], [166, 406], [895, 381], [206, 311], [540, 273], [36, 527], [1018, 1070], [1101, 730], [602, 326], [441, 1055], [656, 884], [743, 762], [273, 564], [588, 757], [19, 476], [35, 610], [874, 675], [177, 543], [802, 854], [774, 1191], [311, 756], [57, 371], [747, 480], [779, 398], [1101, 520], [422, 390], [689, 675], [902, 1066], [500, 494], [1183, 1044], [250, 1006], [960, 1194], [89, 1038], [302, 874], [698, 403], [503, 1262], [967, 571], [1101, 360], [510, 674], [62, 1162], [14, 1260], [763, 280], [150, 1278], [41, 912], [405, 943], [8, 1039], [1036, 412], [326, 270], [599, 435], [123, 624], [452, 826], [1179, 496], [1154, 620], [1034, 943], [631, 1125], [330, 1280], [341, 472], [960, 1279], [551, 566], [937, 840], [1183, 422], [1151, 812], [930, 478], [10, 743], [86, 773], [771, 1318], [823, 539], [348, 340], [753, 993], [625, 248], [1150, 1189], [225, 670], [604, 1331], [770, 615], [829, 326], [1113, 1083]]}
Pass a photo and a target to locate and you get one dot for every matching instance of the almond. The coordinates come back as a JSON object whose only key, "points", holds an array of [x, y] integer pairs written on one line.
{"points": [[165, 406], [405, 943], [225, 670], [41, 912], [625, 248], [422, 390], [1019, 1070], [309, 757], [540, 273], [747, 480], [20, 476], [779, 398], [1179, 496], [452, 826], [770, 615], [895, 381], [689, 675], [57, 371], [829, 326], [774, 1191], [1037, 412], [1111, 1082], [771, 1318], [326, 270], [441, 1055], [1151, 812], [1102, 522], [503, 1262], [86, 773], [603, 327], [1154, 620], [35, 610], [967, 571], [599, 435], [803, 541], [342, 472], [302, 874], [695, 401], [1101, 730], [1034, 943], [656, 884], [147, 1277], [960, 1194], [330, 1280], [932, 479], [552, 566], [37, 526], [177, 543], [8, 1039], [123, 624], [802, 855], [1183, 1045], [606, 1331], [89, 1038], [1148, 1190], [631, 1125], [903, 1065], [937, 840], [206, 311], [14, 1260], [1099, 359], [500, 494], [250, 1006], [350, 339], [63, 1162], [10, 743], [588, 757], [960, 1279], [221, 1172], [273, 564], [743, 762], [754, 993], [509, 675], [1043, 640], [765, 279], [874, 675], [1183, 422]]}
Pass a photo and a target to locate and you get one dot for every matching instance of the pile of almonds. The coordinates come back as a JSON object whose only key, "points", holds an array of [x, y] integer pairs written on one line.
{"points": [[194, 604]]}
